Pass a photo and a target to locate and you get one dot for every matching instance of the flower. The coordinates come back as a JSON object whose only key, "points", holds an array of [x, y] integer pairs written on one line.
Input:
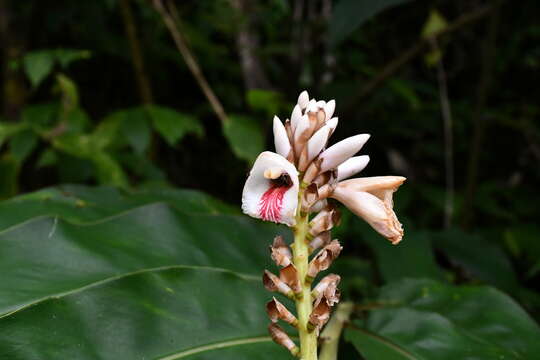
{"points": [[302, 157], [371, 199], [271, 190]]}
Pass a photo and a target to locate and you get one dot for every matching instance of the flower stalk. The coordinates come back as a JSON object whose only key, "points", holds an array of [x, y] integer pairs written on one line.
{"points": [[308, 339]]}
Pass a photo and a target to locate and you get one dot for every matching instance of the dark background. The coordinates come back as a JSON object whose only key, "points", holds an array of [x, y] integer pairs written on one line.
{"points": [[78, 78]]}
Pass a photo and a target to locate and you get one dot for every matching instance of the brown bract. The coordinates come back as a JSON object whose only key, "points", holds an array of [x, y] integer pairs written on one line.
{"points": [[290, 276], [277, 311], [324, 258], [320, 314], [280, 337], [280, 252], [325, 220], [273, 283]]}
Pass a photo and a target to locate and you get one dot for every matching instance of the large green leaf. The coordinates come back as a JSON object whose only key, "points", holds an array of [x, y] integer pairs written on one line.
{"points": [[413, 257], [423, 319], [492, 266], [108, 278], [350, 14], [81, 204]]}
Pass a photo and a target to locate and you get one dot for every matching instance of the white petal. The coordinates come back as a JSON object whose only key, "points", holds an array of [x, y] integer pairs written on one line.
{"points": [[373, 184], [284, 201], [317, 142], [352, 166], [329, 109], [341, 151], [281, 140], [332, 124], [376, 212], [303, 99], [321, 104], [303, 125], [312, 106], [295, 117]]}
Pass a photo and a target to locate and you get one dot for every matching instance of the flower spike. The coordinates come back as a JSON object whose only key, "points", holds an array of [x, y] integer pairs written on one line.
{"points": [[293, 186]]}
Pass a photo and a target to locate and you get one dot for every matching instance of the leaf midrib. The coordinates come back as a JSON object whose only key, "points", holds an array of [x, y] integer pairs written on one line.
{"points": [[216, 346], [110, 279]]}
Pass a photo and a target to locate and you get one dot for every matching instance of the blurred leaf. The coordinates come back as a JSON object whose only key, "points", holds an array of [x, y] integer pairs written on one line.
{"points": [[47, 158], [77, 121], [424, 319], [434, 24], [172, 125], [69, 92], [41, 117], [136, 129], [191, 279], [7, 130], [478, 257], [264, 100], [9, 168], [38, 65], [244, 136], [414, 254], [350, 14], [22, 144], [66, 56], [406, 91], [109, 170], [106, 133]]}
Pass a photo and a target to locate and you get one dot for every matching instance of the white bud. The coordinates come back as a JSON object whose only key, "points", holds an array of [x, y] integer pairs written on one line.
{"points": [[281, 140], [303, 99], [352, 166], [341, 151], [329, 109]]}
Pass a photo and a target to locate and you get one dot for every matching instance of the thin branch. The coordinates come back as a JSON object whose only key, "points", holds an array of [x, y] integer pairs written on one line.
{"points": [[143, 83], [484, 85], [393, 66], [448, 138], [171, 24], [332, 332], [247, 42]]}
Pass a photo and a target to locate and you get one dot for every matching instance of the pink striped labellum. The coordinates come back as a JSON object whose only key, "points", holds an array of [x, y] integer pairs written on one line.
{"points": [[271, 190]]}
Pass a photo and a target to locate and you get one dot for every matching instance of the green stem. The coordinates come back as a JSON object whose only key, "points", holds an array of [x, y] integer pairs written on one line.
{"points": [[308, 340]]}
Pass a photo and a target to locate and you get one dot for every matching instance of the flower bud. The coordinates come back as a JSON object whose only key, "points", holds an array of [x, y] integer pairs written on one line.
{"points": [[303, 99], [281, 140], [352, 167], [329, 109], [335, 155]]}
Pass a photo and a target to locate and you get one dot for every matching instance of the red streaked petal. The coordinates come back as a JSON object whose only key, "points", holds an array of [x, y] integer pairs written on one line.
{"points": [[271, 203]]}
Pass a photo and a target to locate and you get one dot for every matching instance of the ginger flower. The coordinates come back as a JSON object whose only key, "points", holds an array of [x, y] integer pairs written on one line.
{"points": [[297, 186], [271, 190]]}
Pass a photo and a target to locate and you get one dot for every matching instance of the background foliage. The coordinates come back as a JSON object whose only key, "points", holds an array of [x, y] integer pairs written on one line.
{"points": [[96, 93]]}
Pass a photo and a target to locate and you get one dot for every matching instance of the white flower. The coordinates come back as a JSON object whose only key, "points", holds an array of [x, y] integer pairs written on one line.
{"points": [[371, 199], [271, 190]]}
